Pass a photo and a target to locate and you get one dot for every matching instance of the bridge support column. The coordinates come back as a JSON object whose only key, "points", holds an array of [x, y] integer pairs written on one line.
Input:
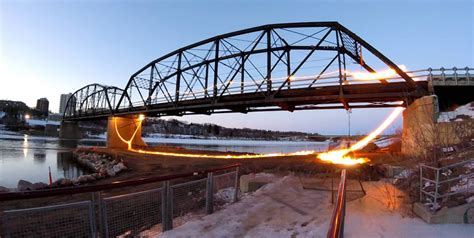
{"points": [[419, 123], [124, 131], [69, 130]]}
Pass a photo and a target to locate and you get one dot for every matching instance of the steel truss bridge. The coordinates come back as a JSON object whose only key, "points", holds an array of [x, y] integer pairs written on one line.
{"points": [[292, 66]]}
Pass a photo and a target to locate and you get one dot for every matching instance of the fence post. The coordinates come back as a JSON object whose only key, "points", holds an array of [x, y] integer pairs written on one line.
{"points": [[166, 207], [421, 183], [210, 193], [102, 219], [435, 205], [93, 228], [236, 185]]}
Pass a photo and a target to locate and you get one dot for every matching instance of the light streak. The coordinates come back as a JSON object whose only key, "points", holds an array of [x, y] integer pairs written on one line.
{"points": [[336, 156], [379, 75], [340, 156]]}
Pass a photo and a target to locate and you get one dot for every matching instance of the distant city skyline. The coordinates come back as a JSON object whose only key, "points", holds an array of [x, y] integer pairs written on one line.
{"points": [[63, 102], [48, 48]]}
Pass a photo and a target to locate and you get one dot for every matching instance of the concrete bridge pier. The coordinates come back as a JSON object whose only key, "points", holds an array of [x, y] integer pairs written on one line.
{"points": [[123, 132], [69, 130], [419, 121]]}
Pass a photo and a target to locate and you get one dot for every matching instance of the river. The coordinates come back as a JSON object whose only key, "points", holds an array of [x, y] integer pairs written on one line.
{"points": [[29, 157]]}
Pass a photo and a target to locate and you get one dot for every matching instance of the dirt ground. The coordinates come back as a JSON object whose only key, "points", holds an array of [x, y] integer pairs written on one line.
{"points": [[145, 165]]}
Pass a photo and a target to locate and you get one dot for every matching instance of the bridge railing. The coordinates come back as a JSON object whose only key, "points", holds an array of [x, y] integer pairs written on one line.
{"points": [[457, 76], [135, 208], [336, 227], [451, 76], [437, 183]]}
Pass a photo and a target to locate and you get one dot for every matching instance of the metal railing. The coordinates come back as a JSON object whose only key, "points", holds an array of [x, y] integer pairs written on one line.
{"points": [[336, 227], [134, 208], [451, 76], [437, 183]]}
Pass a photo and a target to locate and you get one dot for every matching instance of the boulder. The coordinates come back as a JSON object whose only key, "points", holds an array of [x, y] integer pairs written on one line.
{"points": [[86, 178], [82, 179], [119, 167], [62, 182], [24, 185], [111, 173], [39, 185], [66, 182]]}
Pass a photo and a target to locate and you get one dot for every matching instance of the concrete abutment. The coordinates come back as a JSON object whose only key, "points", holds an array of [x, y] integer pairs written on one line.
{"points": [[124, 131]]}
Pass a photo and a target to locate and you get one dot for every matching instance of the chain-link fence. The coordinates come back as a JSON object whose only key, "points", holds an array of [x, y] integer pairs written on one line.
{"points": [[142, 210], [65, 220]]}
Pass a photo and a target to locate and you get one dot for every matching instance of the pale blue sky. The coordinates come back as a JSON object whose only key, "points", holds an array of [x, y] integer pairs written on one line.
{"points": [[53, 47]]}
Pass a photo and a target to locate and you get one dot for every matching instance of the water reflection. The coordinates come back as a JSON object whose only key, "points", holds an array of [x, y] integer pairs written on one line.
{"points": [[66, 143], [39, 156], [25, 145], [66, 163], [28, 158]]}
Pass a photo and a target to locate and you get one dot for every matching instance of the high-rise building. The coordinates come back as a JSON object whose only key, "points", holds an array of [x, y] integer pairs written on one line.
{"points": [[42, 105], [63, 102]]}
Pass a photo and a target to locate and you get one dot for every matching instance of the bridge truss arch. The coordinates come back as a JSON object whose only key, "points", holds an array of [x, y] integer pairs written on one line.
{"points": [[288, 66], [93, 99], [266, 60]]}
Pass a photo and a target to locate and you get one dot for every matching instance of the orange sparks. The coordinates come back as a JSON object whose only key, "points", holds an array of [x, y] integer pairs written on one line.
{"points": [[379, 75], [339, 156]]}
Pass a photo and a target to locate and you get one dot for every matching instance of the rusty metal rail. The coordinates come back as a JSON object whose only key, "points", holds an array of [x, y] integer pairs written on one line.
{"points": [[336, 227]]}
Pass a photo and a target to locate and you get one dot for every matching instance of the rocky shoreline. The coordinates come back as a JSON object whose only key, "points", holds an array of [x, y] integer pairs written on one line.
{"points": [[101, 165]]}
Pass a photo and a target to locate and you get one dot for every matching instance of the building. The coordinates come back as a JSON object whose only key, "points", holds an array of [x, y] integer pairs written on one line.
{"points": [[63, 102], [42, 105]]}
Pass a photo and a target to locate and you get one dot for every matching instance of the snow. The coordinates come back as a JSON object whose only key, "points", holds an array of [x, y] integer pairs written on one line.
{"points": [[370, 217], [285, 209], [404, 174], [157, 138], [226, 195], [230, 142], [384, 142], [37, 122], [466, 183], [466, 110]]}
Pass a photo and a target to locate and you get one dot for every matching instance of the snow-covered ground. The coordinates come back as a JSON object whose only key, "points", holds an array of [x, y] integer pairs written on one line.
{"points": [[229, 142], [285, 209], [38, 122], [456, 115], [194, 140], [385, 141]]}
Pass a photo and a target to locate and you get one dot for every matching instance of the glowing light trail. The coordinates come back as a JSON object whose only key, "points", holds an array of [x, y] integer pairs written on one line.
{"points": [[383, 74], [245, 156], [336, 157], [341, 157]]}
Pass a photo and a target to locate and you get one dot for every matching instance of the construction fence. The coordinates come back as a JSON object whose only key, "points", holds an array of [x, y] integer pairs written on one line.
{"points": [[142, 208]]}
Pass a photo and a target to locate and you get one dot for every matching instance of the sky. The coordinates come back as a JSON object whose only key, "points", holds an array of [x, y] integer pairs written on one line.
{"points": [[53, 47]]}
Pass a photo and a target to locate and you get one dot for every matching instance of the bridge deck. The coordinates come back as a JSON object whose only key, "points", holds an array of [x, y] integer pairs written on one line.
{"points": [[327, 97]]}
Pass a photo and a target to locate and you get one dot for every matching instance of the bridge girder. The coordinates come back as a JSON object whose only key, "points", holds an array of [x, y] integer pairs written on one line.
{"points": [[93, 99]]}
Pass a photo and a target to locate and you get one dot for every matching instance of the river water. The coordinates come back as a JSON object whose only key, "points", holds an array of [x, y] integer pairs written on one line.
{"points": [[29, 157]]}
